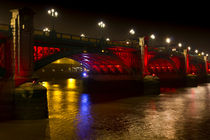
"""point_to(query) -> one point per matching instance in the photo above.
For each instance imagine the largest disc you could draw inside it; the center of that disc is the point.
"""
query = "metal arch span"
(162, 63)
(96, 62)
(101, 63)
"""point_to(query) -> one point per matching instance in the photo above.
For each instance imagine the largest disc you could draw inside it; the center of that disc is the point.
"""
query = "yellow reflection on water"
(55, 102)
(45, 84)
(63, 107)
(55, 85)
(72, 96)
(71, 83)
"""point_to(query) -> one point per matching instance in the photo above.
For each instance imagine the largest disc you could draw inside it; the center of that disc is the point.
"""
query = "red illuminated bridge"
(24, 50)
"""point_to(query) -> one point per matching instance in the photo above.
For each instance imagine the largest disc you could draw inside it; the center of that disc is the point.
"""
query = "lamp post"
(131, 34)
(101, 25)
(152, 36)
(54, 14)
(168, 41)
(179, 45)
(188, 48)
(82, 35)
(46, 30)
(196, 51)
(107, 39)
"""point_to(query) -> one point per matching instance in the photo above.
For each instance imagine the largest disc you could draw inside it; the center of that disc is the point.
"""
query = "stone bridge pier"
(13, 102)
(22, 39)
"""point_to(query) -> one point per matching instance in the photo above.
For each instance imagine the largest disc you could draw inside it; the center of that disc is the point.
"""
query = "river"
(174, 114)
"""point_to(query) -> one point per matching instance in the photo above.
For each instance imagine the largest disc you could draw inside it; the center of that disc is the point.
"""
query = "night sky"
(184, 22)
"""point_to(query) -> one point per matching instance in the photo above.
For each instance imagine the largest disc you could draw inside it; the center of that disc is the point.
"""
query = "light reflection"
(71, 83)
(46, 84)
(72, 96)
(84, 117)
(56, 85)
(56, 99)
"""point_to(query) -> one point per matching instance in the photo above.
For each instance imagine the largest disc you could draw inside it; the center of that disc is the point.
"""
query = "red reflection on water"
(153, 105)
(165, 89)
(192, 103)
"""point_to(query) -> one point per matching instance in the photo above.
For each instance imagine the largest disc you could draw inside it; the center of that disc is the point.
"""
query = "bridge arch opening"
(164, 68)
(61, 68)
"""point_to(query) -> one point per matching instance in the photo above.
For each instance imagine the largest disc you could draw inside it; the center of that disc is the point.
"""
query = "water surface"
(174, 114)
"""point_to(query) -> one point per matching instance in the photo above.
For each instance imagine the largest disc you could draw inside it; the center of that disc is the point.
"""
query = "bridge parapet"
(53, 36)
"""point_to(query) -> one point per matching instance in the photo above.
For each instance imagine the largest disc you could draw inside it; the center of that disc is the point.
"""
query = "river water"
(174, 114)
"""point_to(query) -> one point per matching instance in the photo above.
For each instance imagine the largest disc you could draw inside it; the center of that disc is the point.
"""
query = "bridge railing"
(4, 28)
(71, 37)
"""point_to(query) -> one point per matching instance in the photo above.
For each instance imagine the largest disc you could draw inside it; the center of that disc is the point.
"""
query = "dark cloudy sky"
(183, 21)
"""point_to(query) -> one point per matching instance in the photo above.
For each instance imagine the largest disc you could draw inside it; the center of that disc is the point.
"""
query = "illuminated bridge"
(24, 50)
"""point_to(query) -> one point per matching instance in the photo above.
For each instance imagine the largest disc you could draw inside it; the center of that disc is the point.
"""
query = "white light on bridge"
(196, 51)
(49, 11)
(152, 36)
(52, 12)
(56, 14)
(207, 54)
(101, 24)
(107, 39)
(168, 40)
(202, 53)
(82, 35)
(46, 30)
(180, 45)
(189, 48)
(132, 32)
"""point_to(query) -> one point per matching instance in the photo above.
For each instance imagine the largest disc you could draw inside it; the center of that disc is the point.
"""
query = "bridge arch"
(161, 63)
(95, 62)
(166, 67)
(197, 66)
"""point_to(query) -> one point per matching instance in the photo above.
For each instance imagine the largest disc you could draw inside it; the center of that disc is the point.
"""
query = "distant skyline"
(183, 24)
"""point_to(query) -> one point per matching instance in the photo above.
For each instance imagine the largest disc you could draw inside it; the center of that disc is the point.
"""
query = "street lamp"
(202, 53)
(53, 14)
(196, 51)
(46, 30)
(107, 39)
(189, 48)
(132, 32)
(82, 35)
(207, 54)
(102, 25)
(168, 40)
(180, 45)
(152, 36)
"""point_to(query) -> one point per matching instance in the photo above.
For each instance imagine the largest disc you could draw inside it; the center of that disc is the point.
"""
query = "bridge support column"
(22, 33)
(187, 65)
(206, 64)
(144, 55)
